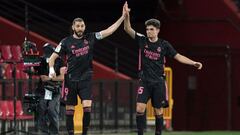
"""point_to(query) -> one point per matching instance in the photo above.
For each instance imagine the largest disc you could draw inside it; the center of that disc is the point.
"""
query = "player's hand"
(126, 10)
(52, 72)
(123, 10)
(198, 65)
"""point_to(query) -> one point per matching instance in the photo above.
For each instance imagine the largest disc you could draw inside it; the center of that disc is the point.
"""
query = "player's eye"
(149, 29)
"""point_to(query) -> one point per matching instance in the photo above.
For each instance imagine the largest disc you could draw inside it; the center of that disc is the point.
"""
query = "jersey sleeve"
(92, 38)
(61, 48)
(58, 64)
(98, 35)
(140, 39)
(171, 52)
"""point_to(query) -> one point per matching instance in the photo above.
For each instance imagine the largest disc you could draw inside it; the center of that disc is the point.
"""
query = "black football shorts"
(156, 91)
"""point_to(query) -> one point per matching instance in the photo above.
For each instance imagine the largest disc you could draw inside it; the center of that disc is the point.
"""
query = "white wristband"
(51, 72)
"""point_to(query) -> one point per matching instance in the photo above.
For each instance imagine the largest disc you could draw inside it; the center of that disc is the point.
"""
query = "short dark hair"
(155, 22)
(78, 19)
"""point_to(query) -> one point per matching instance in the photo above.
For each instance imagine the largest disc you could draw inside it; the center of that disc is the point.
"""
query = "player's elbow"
(126, 28)
(178, 57)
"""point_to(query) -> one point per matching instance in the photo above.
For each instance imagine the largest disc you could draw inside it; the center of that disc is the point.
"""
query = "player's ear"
(72, 27)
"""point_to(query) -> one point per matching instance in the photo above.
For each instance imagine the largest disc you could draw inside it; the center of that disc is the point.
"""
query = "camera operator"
(49, 90)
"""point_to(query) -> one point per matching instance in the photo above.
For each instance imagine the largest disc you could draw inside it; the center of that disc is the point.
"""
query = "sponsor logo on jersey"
(151, 55)
(81, 51)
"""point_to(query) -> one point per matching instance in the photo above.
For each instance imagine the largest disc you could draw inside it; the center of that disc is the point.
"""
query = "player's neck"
(77, 37)
(153, 39)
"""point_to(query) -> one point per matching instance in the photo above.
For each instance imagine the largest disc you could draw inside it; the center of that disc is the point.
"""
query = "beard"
(78, 34)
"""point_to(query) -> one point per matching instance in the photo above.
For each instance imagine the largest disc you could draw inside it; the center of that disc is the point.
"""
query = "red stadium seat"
(4, 110)
(16, 52)
(21, 69)
(18, 73)
(4, 114)
(20, 116)
(1, 110)
(6, 52)
(8, 71)
(20, 113)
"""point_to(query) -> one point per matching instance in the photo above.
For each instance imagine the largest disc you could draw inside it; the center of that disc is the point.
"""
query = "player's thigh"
(159, 95)
(85, 92)
(143, 96)
(71, 96)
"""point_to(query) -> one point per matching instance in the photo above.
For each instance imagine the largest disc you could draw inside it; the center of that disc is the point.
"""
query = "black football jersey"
(79, 53)
(153, 57)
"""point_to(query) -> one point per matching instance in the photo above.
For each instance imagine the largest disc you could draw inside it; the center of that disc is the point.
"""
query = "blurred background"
(204, 30)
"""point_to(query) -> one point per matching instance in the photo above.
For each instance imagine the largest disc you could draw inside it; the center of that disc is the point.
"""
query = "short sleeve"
(61, 48)
(98, 35)
(58, 64)
(91, 38)
(171, 52)
(140, 39)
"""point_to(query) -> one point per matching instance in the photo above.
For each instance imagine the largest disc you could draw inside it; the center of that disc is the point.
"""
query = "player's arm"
(40, 70)
(45, 78)
(107, 32)
(60, 77)
(127, 25)
(51, 63)
(185, 60)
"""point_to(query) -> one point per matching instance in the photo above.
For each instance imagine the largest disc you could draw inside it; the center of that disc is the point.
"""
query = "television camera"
(31, 59)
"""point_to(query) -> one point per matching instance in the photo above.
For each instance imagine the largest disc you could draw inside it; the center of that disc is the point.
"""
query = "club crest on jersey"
(73, 46)
(85, 41)
(146, 46)
(159, 49)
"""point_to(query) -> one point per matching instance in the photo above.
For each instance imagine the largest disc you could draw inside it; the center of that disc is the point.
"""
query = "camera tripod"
(14, 129)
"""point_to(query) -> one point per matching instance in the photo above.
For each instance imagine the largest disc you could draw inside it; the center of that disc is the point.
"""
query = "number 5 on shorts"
(140, 90)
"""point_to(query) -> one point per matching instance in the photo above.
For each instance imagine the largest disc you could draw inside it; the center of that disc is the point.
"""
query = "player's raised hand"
(198, 65)
(127, 10)
(124, 9)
